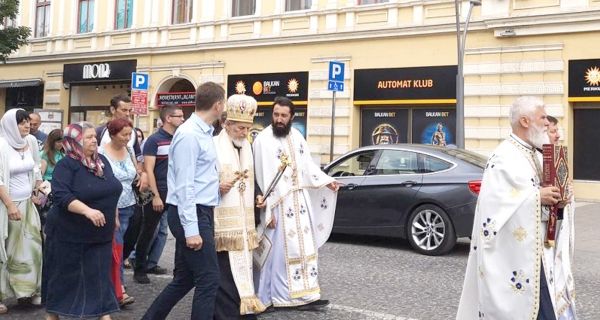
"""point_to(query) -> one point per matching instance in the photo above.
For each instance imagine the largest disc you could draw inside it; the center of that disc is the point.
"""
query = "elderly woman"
(20, 237)
(121, 160)
(80, 229)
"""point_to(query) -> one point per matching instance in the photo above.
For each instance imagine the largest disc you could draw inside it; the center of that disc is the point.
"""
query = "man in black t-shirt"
(156, 163)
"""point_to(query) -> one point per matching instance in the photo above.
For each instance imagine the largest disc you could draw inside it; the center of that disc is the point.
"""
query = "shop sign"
(96, 72)
(584, 80)
(434, 126)
(383, 126)
(265, 87)
(417, 85)
(181, 99)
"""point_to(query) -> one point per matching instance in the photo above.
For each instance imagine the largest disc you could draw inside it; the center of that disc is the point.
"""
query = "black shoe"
(314, 306)
(141, 277)
(157, 270)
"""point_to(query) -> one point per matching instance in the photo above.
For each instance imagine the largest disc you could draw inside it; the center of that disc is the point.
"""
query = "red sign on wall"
(139, 102)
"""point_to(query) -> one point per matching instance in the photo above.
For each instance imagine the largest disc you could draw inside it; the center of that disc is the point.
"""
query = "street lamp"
(461, 38)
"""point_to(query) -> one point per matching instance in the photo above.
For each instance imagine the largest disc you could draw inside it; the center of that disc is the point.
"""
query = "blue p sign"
(139, 81)
(336, 71)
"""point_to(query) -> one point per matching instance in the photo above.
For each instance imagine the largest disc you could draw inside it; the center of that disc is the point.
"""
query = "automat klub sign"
(415, 85)
(584, 80)
(100, 71)
(266, 86)
(181, 99)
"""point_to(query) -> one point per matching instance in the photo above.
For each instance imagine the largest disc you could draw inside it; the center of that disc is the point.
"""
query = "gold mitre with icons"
(241, 108)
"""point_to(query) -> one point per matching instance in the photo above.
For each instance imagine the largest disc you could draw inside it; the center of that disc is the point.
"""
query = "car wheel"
(430, 231)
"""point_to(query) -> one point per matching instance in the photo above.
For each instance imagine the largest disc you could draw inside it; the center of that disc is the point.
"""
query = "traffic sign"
(336, 76)
(139, 93)
(139, 81)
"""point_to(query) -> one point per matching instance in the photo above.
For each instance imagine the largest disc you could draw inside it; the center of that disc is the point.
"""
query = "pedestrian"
(193, 192)
(79, 232)
(156, 162)
(235, 232)
(51, 153)
(560, 257)
(299, 214)
(20, 236)
(123, 166)
(507, 275)
(35, 121)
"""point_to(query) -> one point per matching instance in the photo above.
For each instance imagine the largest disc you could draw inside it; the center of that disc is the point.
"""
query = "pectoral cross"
(241, 176)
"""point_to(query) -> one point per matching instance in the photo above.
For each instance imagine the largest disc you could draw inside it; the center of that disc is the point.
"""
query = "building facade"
(400, 65)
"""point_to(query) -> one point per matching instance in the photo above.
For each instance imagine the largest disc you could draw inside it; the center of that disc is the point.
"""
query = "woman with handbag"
(80, 231)
(119, 157)
(20, 236)
(50, 155)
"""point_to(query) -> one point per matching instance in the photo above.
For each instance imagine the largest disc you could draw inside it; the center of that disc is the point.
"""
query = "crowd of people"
(248, 220)
(73, 213)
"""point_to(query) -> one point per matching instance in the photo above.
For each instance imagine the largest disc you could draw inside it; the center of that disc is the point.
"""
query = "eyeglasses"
(181, 116)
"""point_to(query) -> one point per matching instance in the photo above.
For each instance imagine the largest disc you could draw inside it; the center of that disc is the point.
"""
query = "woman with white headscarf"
(20, 237)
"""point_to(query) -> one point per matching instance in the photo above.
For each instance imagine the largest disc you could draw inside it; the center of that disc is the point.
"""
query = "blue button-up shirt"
(192, 177)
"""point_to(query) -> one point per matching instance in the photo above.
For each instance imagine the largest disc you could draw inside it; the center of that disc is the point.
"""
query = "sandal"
(3, 308)
(127, 300)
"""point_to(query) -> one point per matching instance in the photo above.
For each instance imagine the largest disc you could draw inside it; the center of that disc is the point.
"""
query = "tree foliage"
(11, 38)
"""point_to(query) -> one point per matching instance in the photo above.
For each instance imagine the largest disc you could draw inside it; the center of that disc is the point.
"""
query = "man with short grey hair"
(507, 276)
(35, 121)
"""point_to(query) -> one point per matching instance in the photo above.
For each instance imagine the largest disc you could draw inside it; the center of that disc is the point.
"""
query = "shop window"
(361, 2)
(182, 11)
(86, 16)
(42, 20)
(27, 98)
(585, 145)
(123, 14)
(397, 162)
(293, 5)
(243, 8)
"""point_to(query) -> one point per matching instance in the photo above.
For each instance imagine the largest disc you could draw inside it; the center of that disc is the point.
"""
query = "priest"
(235, 232)
(298, 217)
(507, 274)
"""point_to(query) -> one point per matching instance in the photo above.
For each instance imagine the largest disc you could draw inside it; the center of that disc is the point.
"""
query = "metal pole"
(332, 128)
(460, 111)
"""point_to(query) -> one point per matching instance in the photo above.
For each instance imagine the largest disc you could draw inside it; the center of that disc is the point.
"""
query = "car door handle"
(408, 184)
(350, 186)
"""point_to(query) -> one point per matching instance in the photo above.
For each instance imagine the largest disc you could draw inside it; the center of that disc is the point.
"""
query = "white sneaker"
(36, 301)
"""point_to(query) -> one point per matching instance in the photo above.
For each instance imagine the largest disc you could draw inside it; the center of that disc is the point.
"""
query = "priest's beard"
(538, 136)
(237, 142)
(282, 130)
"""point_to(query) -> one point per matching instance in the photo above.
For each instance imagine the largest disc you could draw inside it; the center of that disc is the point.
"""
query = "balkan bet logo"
(240, 87)
(592, 76)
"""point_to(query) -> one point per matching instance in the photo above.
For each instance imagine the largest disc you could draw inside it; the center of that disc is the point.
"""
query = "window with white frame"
(182, 11)
(293, 5)
(8, 22)
(123, 14)
(42, 18)
(360, 2)
(85, 16)
(242, 7)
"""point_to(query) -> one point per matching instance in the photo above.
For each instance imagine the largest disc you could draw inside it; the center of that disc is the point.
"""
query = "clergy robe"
(303, 208)
(502, 280)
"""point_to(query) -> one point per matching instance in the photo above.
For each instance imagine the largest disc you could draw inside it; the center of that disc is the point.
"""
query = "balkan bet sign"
(139, 93)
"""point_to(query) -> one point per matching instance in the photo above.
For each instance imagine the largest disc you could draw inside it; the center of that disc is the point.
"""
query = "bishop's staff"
(285, 162)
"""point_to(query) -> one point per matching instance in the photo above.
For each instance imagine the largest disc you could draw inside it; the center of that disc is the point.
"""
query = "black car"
(424, 193)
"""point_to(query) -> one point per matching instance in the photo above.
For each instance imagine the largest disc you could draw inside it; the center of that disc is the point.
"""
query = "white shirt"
(20, 165)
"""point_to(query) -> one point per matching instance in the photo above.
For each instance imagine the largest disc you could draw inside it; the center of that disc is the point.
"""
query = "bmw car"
(426, 194)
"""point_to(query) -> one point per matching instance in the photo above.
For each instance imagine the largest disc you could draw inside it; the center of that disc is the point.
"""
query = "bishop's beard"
(237, 142)
(282, 131)
(538, 136)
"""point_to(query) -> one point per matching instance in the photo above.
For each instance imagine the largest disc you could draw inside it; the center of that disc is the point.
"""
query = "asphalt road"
(379, 278)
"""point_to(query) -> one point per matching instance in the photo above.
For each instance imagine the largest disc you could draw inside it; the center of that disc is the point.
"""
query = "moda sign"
(99, 72)
(96, 71)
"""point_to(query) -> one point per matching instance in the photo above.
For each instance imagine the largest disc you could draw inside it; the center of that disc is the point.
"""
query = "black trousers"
(227, 306)
(546, 311)
(133, 230)
(198, 270)
(150, 221)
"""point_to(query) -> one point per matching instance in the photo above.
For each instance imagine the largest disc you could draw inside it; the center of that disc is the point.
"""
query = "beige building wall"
(514, 47)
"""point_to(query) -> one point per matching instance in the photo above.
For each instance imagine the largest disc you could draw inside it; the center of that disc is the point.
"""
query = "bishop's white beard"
(538, 136)
(237, 142)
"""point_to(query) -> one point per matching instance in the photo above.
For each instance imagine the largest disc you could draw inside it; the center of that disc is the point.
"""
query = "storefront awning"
(20, 83)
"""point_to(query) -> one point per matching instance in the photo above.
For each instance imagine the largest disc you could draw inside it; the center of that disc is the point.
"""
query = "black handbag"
(142, 198)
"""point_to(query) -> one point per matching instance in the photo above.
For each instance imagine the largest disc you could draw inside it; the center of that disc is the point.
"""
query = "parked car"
(426, 194)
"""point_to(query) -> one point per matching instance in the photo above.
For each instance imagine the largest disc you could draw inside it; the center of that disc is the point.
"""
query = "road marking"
(368, 313)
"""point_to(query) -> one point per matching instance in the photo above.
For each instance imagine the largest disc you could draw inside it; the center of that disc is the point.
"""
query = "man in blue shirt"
(156, 162)
(193, 192)
(35, 121)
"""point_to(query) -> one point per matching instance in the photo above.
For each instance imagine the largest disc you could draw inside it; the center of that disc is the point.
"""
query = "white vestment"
(502, 280)
(303, 208)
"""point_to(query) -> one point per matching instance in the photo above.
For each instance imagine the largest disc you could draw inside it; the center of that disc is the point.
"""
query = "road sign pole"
(332, 127)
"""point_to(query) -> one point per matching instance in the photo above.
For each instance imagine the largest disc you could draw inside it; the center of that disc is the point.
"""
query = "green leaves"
(11, 38)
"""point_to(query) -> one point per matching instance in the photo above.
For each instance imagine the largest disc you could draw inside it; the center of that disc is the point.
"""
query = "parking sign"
(336, 76)
(139, 93)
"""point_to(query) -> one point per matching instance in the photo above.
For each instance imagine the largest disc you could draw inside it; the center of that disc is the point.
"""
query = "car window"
(433, 164)
(397, 162)
(471, 157)
(356, 165)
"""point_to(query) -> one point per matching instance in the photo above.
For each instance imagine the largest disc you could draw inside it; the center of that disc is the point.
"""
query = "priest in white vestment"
(298, 217)
(235, 231)
(508, 275)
